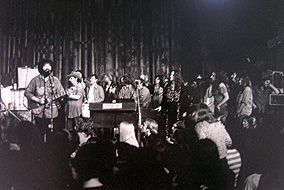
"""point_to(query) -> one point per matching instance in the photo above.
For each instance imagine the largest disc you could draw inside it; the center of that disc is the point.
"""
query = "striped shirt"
(234, 162)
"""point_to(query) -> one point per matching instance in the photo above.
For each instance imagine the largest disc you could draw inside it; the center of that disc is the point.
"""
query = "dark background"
(143, 36)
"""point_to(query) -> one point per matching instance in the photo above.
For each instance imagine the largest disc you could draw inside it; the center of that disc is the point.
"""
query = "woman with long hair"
(244, 98)
(221, 95)
(158, 91)
(127, 133)
(170, 104)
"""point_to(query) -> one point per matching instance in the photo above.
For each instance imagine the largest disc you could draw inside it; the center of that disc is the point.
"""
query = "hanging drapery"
(96, 36)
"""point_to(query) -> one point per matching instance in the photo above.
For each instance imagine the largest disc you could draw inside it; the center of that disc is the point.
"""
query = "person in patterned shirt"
(208, 127)
(127, 91)
(41, 92)
(170, 105)
(76, 94)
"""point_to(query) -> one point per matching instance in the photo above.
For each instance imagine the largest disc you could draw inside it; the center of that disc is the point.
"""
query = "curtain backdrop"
(119, 37)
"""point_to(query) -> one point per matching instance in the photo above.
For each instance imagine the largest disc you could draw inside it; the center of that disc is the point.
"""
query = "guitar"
(37, 108)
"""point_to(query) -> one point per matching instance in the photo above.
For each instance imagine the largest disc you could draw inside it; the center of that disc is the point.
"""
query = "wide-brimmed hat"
(75, 74)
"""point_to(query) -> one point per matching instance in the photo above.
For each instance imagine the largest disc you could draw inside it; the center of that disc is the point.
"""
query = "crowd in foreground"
(213, 133)
(199, 155)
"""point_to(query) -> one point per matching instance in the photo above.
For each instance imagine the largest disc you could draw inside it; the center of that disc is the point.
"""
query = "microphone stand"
(139, 118)
(8, 110)
(43, 112)
(52, 94)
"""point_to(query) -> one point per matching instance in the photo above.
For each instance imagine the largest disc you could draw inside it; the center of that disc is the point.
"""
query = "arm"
(121, 93)
(225, 99)
(240, 108)
(247, 97)
(224, 92)
(227, 137)
(275, 90)
(101, 94)
(59, 87)
(29, 93)
(75, 97)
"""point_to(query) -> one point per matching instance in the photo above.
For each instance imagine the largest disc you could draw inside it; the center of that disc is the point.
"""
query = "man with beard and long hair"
(42, 92)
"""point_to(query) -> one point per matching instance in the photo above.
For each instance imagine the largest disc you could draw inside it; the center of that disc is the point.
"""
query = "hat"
(75, 74)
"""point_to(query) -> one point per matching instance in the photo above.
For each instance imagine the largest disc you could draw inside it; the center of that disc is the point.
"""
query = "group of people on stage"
(213, 133)
(45, 90)
(172, 96)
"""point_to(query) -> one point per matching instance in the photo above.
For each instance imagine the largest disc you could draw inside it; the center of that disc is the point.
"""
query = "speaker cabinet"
(276, 99)
(25, 75)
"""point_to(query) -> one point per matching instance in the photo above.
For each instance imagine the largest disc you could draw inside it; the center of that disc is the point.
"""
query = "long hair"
(161, 83)
(127, 133)
(203, 113)
(246, 81)
(177, 80)
(221, 76)
(152, 125)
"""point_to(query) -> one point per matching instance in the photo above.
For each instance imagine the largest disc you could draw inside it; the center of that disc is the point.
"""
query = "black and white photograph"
(142, 94)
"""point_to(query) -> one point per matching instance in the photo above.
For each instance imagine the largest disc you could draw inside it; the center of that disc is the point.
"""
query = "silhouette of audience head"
(201, 112)
(150, 126)
(94, 160)
(127, 133)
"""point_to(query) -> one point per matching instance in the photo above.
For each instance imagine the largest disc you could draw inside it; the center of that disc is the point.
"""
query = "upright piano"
(109, 115)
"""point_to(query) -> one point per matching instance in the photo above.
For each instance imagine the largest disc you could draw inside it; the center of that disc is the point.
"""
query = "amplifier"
(276, 99)
(18, 100)
(25, 75)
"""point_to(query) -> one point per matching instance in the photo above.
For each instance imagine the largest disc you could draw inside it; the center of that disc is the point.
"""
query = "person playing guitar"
(41, 92)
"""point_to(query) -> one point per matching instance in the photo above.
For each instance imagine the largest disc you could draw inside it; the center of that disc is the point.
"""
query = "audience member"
(210, 172)
(244, 98)
(221, 95)
(171, 102)
(208, 127)
(127, 133)
(148, 128)
(30, 170)
(94, 165)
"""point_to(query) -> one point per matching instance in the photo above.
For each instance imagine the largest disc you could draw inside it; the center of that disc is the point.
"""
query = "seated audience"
(94, 165)
(148, 128)
(209, 171)
(30, 163)
(60, 147)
